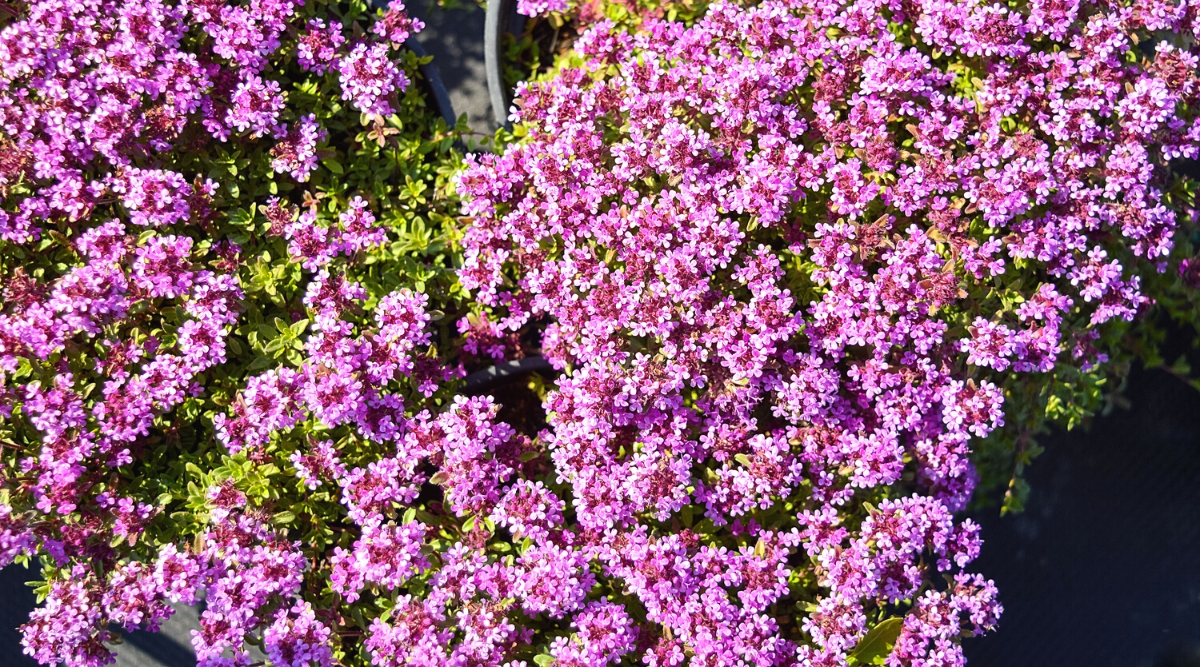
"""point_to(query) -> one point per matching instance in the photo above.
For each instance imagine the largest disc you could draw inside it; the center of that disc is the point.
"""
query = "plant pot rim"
(433, 83)
(431, 80)
(499, 17)
(480, 381)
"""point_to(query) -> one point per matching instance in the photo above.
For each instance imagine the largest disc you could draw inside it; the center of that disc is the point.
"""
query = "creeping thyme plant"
(226, 233)
(803, 260)
(799, 261)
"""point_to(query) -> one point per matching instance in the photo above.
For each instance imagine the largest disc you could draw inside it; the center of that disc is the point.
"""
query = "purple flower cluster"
(343, 378)
(241, 570)
(122, 289)
(767, 244)
(541, 7)
(255, 106)
(793, 257)
(318, 48)
(396, 25)
(369, 78)
(143, 375)
(89, 84)
(315, 244)
(296, 153)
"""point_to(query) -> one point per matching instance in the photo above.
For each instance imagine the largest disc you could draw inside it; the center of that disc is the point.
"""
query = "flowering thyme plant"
(225, 238)
(800, 259)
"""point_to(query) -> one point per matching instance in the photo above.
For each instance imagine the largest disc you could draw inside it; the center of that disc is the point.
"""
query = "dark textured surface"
(1103, 569)
(16, 599)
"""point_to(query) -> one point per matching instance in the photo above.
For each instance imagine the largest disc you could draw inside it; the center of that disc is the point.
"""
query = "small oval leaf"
(875, 646)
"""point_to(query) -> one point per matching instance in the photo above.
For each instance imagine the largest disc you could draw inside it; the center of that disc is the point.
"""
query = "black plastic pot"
(502, 17)
(481, 381)
(431, 81)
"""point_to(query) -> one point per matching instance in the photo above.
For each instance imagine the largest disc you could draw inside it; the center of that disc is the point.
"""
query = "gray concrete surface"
(170, 647)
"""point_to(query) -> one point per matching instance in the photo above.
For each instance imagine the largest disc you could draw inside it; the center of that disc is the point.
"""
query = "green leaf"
(1015, 496)
(285, 516)
(875, 646)
(356, 614)
(1181, 367)
(543, 660)
(334, 166)
(241, 217)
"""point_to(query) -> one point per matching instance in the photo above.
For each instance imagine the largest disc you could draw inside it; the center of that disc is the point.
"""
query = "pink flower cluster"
(143, 374)
(241, 571)
(792, 256)
(767, 244)
(369, 78)
(121, 290)
(396, 25)
(88, 84)
(314, 244)
(344, 377)
(541, 7)
(296, 152)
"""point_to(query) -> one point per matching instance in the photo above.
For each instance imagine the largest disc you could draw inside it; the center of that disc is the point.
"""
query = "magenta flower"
(369, 77)
(296, 153)
(317, 49)
(255, 107)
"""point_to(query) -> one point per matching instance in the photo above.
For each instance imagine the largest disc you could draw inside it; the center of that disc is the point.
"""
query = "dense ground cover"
(221, 223)
(801, 259)
(812, 270)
